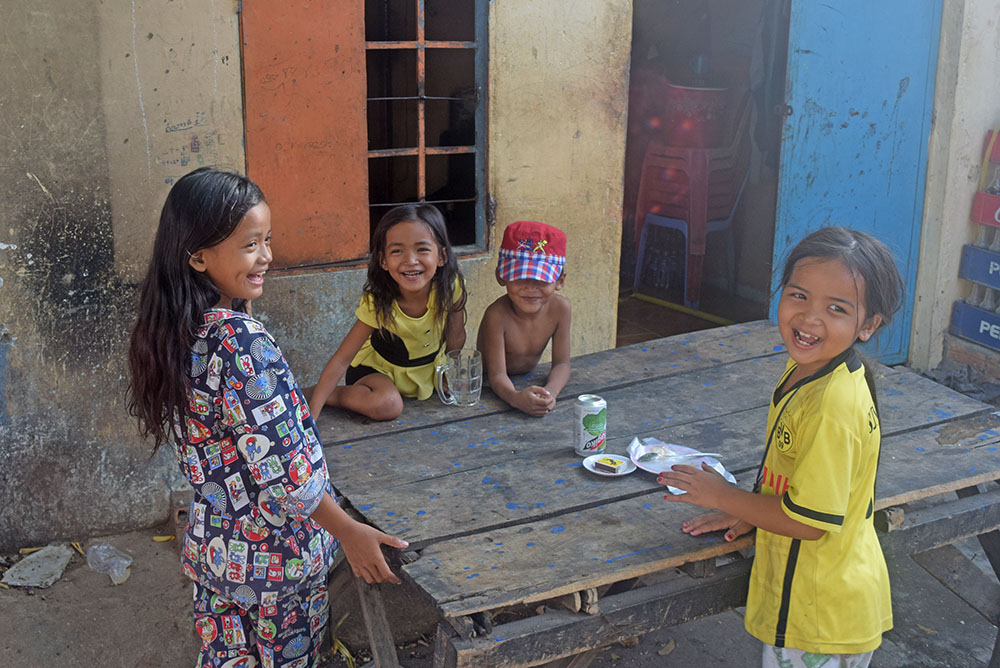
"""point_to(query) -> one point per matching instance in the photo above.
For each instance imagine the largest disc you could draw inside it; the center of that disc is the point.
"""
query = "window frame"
(480, 48)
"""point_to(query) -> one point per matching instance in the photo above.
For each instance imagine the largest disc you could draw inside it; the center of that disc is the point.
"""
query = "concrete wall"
(96, 130)
(966, 106)
(557, 98)
(101, 104)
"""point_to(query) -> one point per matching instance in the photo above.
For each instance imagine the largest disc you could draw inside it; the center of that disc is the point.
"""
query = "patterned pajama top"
(249, 447)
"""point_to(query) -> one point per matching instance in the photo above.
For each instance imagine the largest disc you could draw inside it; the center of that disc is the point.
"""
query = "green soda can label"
(590, 425)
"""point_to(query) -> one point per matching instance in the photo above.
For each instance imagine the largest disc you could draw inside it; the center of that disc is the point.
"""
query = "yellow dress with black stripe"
(408, 351)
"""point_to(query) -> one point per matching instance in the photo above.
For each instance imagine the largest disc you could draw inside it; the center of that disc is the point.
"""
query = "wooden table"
(502, 518)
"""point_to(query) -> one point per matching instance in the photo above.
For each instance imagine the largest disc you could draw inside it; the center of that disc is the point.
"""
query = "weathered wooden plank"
(908, 400)
(670, 356)
(990, 542)
(941, 524)
(536, 640)
(582, 660)
(596, 372)
(954, 570)
(453, 447)
(939, 459)
(591, 605)
(445, 655)
(559, 555)
(496, 564)
(915, 464)
(379, 634)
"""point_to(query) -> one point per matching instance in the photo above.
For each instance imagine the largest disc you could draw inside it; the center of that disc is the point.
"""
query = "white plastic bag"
(108, 559)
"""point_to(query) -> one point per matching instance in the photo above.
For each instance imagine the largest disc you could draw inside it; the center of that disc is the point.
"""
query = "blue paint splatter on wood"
(558, 529)
(632, 554)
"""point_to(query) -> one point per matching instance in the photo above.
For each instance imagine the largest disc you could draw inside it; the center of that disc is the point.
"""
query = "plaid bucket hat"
(532, 250)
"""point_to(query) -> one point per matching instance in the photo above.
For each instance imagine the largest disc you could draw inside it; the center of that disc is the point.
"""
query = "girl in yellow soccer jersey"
(819, 584)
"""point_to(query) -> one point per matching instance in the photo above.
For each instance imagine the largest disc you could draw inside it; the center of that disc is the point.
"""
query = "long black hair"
(865, 257)
(381, 286)
(202, 209)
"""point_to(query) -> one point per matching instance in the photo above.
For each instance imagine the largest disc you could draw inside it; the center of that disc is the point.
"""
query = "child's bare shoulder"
(496, 314)
(501, 307)
(561, 303)
(559, 309)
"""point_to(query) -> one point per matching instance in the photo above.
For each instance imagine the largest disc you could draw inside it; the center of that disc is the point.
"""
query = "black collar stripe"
(849, 357)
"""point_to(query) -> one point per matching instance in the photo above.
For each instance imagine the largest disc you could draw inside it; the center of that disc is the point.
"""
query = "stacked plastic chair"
(695, 190)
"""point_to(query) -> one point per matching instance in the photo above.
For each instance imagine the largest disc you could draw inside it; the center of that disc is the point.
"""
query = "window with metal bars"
(426, 76)
(354, 106)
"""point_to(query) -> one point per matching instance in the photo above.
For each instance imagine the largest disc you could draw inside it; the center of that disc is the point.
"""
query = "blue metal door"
(859, 94)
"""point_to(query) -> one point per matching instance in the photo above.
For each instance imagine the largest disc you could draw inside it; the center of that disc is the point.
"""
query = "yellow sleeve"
(820, 486)
(366, 311)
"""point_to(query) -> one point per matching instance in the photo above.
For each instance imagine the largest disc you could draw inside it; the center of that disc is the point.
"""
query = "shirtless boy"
(516, 327)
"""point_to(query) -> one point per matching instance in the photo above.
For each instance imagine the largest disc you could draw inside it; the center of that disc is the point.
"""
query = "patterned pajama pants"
(276, 633)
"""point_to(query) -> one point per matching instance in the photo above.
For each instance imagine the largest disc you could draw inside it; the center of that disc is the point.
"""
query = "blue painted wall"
(859, 96)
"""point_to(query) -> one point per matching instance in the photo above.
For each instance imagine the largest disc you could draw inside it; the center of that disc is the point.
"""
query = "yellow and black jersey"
(829, 595)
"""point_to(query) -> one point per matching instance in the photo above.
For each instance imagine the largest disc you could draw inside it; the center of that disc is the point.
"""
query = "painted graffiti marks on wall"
(198, 119)
(170, 89)
(193, 143)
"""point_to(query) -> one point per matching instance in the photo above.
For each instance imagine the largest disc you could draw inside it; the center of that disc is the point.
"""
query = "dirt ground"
(83, 620)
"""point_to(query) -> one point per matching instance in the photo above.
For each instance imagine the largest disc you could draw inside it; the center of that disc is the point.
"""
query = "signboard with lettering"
(976, 324)
(981, 266)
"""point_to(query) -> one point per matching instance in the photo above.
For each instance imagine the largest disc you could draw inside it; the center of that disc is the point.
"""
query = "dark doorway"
(705, 101)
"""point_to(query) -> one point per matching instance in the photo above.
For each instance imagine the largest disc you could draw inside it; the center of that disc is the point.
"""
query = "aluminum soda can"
(590, 424)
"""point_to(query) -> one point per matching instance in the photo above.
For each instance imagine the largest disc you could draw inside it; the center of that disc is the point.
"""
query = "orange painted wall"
(304, 90)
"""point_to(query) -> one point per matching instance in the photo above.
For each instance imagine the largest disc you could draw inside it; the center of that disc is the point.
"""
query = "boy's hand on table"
(535, 400)
(361, 544)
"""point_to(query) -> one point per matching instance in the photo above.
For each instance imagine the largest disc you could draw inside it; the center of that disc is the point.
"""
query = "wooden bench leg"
(581, 660)
(990, 541)
(444, 649)
(379, 634)
(991, 546)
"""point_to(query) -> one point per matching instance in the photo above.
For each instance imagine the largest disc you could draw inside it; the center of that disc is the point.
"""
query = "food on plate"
(657, 452)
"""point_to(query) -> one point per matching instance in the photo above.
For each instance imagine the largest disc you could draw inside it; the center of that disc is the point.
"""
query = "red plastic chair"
(694, 190)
